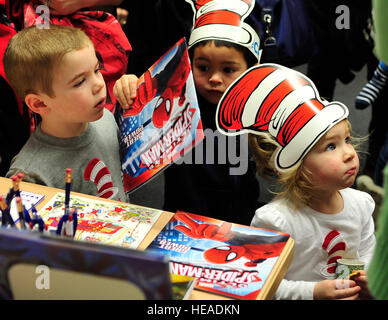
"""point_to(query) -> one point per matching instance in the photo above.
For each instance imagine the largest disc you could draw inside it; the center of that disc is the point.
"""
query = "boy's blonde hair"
(32, 55)
(295, 183)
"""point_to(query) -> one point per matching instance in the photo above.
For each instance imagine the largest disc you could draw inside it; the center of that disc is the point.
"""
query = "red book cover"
(226, 258)
(164, 120)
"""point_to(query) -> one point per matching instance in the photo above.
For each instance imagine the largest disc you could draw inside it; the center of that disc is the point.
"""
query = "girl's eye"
(348, 140)
(330, 147)
(98, 69)
(80, 82)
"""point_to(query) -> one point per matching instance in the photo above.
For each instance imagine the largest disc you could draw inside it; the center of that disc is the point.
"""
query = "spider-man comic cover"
(163, 122)
(226, 258)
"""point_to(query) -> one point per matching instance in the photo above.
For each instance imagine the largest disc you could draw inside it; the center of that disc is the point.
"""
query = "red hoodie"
(111, 44)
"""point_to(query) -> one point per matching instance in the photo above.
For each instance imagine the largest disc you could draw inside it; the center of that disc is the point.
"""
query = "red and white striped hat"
(224, 20)
(283, 102)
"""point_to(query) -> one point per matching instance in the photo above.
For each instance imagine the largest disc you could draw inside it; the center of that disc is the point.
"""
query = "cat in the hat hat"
(307, 142)
(221, 47)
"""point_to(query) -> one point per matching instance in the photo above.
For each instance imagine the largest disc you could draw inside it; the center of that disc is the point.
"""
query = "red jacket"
(111, 44)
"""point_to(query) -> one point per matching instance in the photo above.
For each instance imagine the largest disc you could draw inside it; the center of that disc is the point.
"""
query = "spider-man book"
(163, 122)
(227, 259)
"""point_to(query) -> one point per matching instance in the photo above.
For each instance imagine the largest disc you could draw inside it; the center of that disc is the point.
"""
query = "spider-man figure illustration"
(167, 84)
(255, 248)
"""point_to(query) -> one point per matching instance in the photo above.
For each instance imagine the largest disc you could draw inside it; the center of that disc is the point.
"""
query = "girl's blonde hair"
(33, 54)
(295, 183)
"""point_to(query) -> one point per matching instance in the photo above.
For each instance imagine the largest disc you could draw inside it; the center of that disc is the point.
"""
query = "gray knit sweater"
(93, 157)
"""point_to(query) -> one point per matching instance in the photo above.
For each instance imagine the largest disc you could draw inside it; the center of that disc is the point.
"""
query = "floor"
(151, 194)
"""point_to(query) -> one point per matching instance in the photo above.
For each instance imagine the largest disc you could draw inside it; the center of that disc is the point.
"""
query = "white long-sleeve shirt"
(320, 239)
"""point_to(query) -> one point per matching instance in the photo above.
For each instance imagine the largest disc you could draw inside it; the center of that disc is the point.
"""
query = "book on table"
(228, 259)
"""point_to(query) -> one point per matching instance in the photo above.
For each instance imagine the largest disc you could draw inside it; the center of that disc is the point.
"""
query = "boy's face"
(80, 90)
(215, 68)
(333, 161)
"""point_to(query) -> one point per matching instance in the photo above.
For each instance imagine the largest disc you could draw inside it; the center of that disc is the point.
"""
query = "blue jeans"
(381, 163)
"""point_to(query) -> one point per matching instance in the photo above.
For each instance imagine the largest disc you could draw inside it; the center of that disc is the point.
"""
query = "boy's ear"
(35, 102)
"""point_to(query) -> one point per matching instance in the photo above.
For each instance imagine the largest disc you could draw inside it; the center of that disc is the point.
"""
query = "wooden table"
(268, 290)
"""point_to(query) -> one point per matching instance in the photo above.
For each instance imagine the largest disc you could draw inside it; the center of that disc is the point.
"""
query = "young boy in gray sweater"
(56, 72)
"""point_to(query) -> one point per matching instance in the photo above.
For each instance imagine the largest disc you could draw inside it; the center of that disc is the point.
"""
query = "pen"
(6, 217)
(10, 196)
(37, 220)
(68, 187)
(3, 207)
(67, 225)
(21, 212)
(15, 183)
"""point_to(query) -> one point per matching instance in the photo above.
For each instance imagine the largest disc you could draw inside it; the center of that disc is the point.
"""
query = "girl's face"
(333, 161)
(215, 68)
